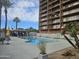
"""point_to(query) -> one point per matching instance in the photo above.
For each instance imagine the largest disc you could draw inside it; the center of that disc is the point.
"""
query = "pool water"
(36, 41)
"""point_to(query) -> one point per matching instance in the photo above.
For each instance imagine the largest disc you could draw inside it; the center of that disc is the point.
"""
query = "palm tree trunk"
(5, 20)
(0, 13)
(16, 28)
(76, 40)
(70, 41)
(0, 18)
(16, 25)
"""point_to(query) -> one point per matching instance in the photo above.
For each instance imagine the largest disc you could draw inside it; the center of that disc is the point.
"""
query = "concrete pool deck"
(18, 49)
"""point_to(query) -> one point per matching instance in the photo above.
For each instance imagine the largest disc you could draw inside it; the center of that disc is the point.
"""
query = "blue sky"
(26, 10)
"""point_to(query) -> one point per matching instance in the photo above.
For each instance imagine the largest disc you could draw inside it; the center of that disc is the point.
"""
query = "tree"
(0, 12)
(72, 29)
(16, 20)
(6, 5)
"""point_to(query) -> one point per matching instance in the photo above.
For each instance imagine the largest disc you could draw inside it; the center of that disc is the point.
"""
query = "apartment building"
(55, 12)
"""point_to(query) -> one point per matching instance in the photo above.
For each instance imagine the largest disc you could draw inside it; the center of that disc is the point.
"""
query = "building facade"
(55, 12)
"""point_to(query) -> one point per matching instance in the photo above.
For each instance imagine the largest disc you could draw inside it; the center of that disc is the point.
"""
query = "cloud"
(24, 4)
(26, 10)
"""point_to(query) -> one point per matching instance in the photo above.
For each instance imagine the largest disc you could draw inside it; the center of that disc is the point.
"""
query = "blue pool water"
(36, 41)
(32, 40)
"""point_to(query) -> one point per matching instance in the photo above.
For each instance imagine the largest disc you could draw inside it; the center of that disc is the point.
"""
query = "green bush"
(42, 47)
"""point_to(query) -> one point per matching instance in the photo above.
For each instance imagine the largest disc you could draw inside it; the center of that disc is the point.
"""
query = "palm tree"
(17, 20)
(72, 29)
(6, 5)
(0, 12)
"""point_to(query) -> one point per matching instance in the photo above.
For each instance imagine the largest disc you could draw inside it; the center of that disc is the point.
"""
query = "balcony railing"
(43, 11)
(42, 3)
(44, 6)
(44, 15)
(73, 18)
(71, 6)
(53, 7)
(53, 1)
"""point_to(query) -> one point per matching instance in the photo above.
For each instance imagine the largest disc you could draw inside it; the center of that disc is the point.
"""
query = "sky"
(26, 10)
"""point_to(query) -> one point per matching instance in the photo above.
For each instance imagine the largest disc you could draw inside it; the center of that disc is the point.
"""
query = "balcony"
(54, 18)
(71, 11)
(43, 28)
(56, 27)
(44, 19)
(57, 11)
(43, 7)
(70, 7)
(67, 2)
(54, 12)
(54, 1)
(43, 15)
(43, 11)
(73, 18)
(42, 25)
(43, 3)
(50, 22)
(71, 14)
(56, 21)
(53, 7)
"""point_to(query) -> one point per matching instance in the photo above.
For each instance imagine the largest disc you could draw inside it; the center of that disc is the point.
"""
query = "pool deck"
(18, 49)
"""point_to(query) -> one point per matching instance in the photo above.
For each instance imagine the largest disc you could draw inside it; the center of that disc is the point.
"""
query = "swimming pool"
(37, 40)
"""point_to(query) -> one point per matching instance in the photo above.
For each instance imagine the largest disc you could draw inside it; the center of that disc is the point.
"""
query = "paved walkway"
(18, 49)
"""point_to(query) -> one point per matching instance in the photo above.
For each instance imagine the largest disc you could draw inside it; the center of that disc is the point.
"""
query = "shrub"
(42, 47)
